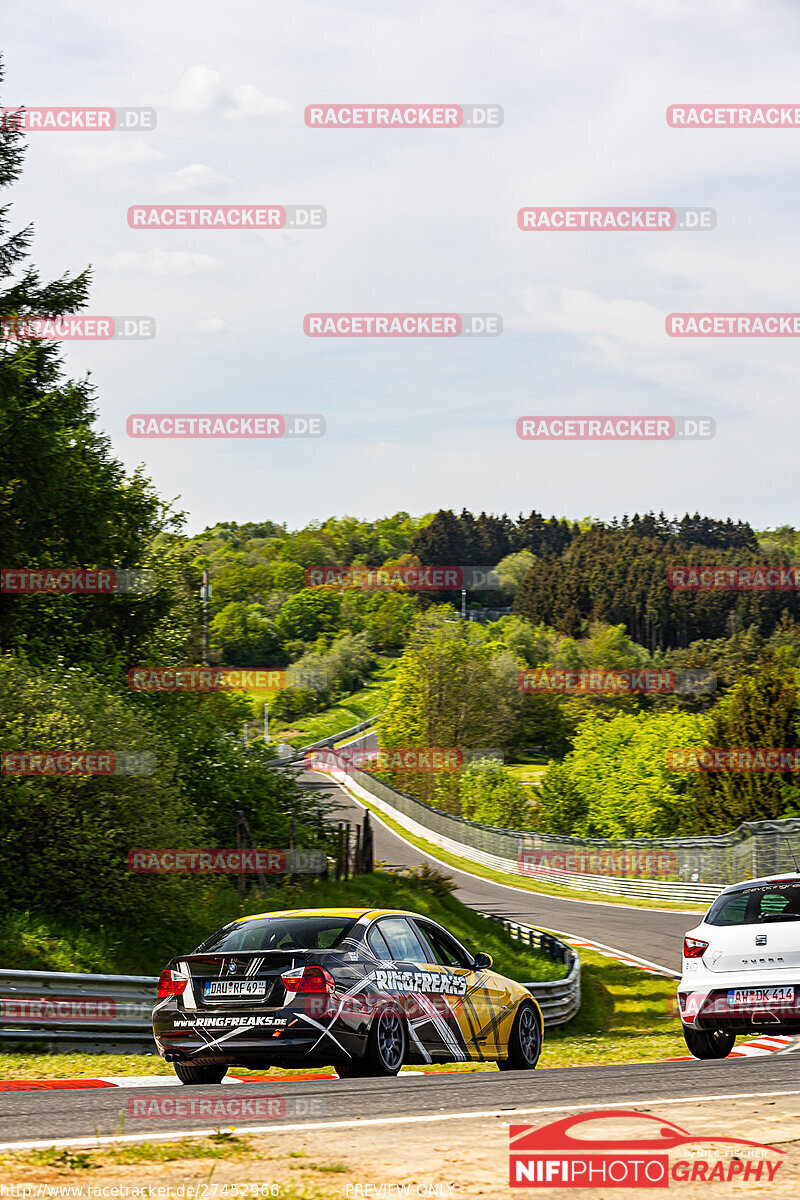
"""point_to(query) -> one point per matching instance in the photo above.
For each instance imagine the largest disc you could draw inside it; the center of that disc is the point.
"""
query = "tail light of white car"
(694, 947)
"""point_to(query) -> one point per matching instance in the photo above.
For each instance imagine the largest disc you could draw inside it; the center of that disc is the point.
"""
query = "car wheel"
(709, 1043)
(385, 1052)
(525, 1041)
(210, 1073)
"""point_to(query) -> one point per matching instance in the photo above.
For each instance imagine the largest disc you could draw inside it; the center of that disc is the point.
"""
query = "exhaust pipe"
(765, 1018)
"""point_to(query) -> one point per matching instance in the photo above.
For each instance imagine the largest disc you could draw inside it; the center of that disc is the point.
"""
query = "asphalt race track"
(653, 934)
(28, 1116)
(37, 1116)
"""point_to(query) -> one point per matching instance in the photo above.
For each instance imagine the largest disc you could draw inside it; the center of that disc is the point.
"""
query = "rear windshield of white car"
(757, 905)
(279, 933)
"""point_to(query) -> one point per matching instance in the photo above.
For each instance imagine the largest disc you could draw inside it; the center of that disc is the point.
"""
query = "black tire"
(210, 1073)
(709, 1043)
(524, 1042)
(386, 1049)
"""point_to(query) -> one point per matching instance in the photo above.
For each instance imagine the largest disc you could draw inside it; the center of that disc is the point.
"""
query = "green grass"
(626, 1016)
(521, 881)
(356, 707)
(528, 773)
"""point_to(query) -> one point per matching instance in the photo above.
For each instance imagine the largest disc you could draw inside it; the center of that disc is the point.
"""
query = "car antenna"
(791, 851)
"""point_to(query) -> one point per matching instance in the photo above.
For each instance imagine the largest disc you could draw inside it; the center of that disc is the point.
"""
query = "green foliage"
(242, 635)
(453, 689)
(761, 711)
(309, 613)
(618, 575)
(490, 796)
(512, 569)
(616, 781)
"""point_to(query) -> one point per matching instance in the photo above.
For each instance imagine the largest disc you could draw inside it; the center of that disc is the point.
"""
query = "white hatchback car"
(741, 966)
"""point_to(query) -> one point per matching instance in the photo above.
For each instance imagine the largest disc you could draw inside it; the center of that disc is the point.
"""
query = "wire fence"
(678, 868)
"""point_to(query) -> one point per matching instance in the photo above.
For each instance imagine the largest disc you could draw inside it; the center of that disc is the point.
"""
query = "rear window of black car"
(279, 933)
(765, 902)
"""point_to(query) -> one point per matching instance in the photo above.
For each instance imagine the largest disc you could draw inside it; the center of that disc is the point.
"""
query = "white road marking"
(482, 878)
(358, 1122)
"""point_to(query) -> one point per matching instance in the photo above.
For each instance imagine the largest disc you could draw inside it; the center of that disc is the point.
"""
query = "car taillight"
(694, 948)
(311, 981)
(170, 983)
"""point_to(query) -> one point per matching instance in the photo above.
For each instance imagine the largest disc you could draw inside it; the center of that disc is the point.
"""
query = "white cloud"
(201, 90)
(160, 262)
(250, 101)
(196, 177)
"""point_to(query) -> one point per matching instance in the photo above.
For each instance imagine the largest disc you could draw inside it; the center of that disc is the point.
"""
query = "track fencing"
(693, 870)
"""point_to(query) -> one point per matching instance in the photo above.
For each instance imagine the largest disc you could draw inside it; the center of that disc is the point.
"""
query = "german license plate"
(760, 996)
(234, 988)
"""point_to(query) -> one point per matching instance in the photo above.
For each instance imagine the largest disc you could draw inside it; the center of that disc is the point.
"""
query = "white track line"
(482, 878)
(356, 1122)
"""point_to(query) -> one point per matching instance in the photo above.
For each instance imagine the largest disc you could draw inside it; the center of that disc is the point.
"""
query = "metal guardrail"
(326, 743)
(693, 870)
(559, 999)
(65, 1011)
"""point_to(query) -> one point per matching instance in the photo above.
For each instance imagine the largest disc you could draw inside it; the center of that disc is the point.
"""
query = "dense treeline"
(620, 576)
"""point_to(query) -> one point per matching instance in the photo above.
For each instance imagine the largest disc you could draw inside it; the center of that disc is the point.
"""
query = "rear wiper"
(779, 917)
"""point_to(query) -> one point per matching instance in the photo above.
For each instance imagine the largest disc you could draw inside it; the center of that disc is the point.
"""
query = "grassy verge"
(520, 881)
(367, 702)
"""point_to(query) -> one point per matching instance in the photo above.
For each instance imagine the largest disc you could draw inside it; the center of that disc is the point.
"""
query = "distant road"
(650, 933)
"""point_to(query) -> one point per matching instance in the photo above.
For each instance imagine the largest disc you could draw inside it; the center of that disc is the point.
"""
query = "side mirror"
(482, 962)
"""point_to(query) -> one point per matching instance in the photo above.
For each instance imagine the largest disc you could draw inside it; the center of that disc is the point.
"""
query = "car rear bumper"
(714, 1004)
(253, 1037)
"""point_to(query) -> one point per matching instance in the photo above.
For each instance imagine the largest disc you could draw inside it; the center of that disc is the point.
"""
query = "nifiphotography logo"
(639, 1151)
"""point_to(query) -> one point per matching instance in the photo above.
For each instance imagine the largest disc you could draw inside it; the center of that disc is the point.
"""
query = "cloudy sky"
(425, 221)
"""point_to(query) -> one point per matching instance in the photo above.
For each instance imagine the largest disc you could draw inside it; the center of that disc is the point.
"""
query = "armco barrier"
(559, 999)
(702, 867)
(64, 1011)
